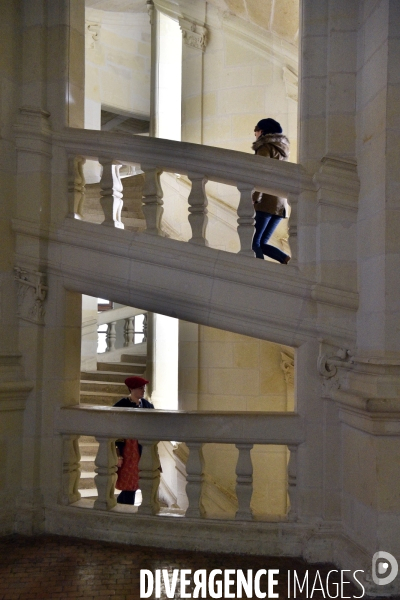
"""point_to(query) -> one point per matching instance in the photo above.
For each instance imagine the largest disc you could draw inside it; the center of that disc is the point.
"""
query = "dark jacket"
(272, 145)
(126, 403)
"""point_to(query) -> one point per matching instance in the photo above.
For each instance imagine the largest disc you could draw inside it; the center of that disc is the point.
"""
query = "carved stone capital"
(92, 34)
(193, 35)
(287, 366)
(31, 294)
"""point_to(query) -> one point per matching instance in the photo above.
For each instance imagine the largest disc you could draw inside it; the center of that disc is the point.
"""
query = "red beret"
(135, 382)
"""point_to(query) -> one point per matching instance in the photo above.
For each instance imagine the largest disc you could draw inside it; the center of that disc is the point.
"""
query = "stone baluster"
(244, 482)
(292, 483)
(111, 193)
(71, 470)
(194, 480)
(245, 219)
(76, 186)
(198, 209)
(145, 327)
(149, 472)
(111, 336)
(152, 200)
(129, 331)
(293, 201)
(106, 473)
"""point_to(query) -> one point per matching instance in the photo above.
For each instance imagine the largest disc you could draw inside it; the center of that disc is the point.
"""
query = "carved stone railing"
(199, 163)
(195, 429)
(127, 314)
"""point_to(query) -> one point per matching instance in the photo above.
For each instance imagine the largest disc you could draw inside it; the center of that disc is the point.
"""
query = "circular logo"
(384, 568)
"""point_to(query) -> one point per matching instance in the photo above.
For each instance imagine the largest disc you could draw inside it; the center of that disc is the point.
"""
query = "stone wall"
(117, 64)
(225, 371)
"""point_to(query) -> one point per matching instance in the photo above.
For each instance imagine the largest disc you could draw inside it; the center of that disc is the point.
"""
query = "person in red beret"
(129, 451)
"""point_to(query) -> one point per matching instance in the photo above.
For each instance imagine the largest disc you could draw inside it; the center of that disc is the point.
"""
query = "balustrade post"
(76, 186)
(149, 478)
(194, 480)
(145, 327)
(129, 331)
(292, 483)
(71, 470)
(106, 473)
(111, 336)
(198, 202)
(152, 200)
(244, 482)
(111, 193)
(245, 219)
(293, 241)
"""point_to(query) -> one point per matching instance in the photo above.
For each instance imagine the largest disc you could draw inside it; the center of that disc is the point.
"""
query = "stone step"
(171, 512)
(88, 450)
(104, 387)
(92, 493)
(87, 464)
(88, 492)
(110, 376)
(87, 439)
(100, 399)
(86, 480)
(132, 358)
(122, 367)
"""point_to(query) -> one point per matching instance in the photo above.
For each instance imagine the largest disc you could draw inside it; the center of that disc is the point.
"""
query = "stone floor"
(51, 567)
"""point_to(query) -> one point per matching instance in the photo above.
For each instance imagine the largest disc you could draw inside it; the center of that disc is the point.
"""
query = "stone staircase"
(104, 387)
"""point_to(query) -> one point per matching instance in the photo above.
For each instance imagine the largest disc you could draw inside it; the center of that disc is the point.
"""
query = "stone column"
(198, 209)
(244, 482)
(371, 450)
(149, 467)
(194, 38)
(162, 361)
(153, 15)
(245, 219)
(194, 470)
(152, 200)
(106, 473)
(71, 471)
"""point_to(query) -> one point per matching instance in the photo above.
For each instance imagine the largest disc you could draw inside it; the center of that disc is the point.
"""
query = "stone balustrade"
(195, 429)
(199, 163)
(128, 315)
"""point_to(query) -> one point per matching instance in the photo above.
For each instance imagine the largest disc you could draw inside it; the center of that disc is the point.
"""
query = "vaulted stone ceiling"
(279, 16)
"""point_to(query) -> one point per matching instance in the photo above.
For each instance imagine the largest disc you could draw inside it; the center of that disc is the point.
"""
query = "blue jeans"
(265, 225)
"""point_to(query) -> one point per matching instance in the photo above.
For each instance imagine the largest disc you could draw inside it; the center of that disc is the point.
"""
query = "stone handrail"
(195, 429)
(117, 314)
(199, 163)
(127, 314)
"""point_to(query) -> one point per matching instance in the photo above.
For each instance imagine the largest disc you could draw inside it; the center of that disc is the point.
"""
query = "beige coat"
(272, 145)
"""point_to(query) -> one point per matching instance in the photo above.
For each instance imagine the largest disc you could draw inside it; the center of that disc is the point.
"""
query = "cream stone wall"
(245, 74)
(13, 389)
(237, 373)
(240, 373)
(220, 370)
(117, 64)
(269, 480)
